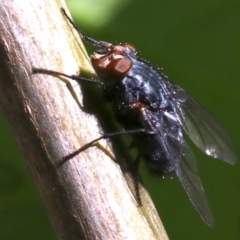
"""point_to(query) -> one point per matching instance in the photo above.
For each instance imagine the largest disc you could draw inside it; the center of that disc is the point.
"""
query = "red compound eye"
(119, 67)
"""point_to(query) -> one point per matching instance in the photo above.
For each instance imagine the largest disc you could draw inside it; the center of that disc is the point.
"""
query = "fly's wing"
(192, 184)
(201, 127)
(181, 158)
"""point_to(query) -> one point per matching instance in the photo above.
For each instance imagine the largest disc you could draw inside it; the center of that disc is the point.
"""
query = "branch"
(88, 197)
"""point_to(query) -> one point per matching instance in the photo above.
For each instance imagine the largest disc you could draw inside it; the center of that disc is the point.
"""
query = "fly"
(156, 112)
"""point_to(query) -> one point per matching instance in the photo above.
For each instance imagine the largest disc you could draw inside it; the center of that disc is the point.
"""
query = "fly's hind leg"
(137, 179)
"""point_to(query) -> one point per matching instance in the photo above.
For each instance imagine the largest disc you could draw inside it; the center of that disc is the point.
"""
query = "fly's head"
(109, 61)
(113, 62)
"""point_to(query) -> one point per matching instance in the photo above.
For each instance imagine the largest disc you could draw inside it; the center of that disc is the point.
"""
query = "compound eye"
(119, 67)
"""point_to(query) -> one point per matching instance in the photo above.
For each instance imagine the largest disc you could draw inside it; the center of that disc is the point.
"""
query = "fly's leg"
(63, 77)
(94, 42)
(137, 179)
(81, 34)
(104, 136)
(135, 172)
(136, 176)
(73, 77)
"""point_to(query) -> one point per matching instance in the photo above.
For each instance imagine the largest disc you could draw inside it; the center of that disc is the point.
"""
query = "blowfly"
(156, 112)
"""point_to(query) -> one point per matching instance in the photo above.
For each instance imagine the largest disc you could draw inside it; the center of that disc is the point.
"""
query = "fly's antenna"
(82, 35)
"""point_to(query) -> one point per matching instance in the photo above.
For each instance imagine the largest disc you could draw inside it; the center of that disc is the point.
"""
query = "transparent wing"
(203, 129)
(192, 185)
(182, 161)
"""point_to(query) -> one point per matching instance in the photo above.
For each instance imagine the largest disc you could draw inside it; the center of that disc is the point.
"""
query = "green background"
(197, 43)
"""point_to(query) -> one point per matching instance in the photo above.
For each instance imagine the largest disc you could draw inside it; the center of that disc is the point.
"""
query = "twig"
(87, 197)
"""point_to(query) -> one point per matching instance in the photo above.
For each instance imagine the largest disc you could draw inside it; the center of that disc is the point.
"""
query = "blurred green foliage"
(197, 43)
